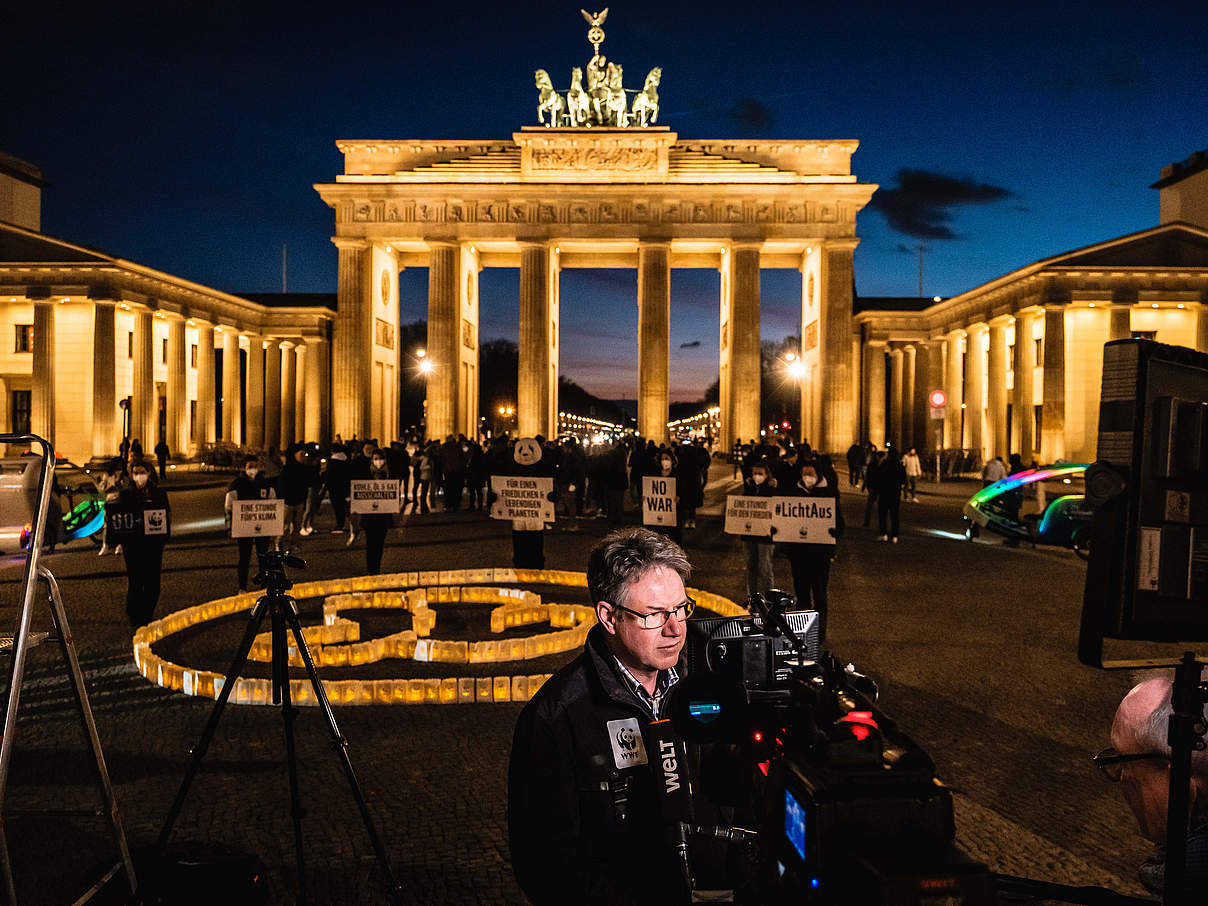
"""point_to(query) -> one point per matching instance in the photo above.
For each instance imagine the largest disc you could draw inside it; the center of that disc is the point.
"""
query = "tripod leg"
(199, 751)
(290, 612)
(59, 614)
(288, 715)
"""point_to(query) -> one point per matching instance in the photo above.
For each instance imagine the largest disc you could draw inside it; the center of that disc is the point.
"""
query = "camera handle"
(772, 616)
(1184, 736)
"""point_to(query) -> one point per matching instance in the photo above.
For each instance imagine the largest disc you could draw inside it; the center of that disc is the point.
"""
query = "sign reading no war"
(374, 495)
(257, 518)
(658, 500)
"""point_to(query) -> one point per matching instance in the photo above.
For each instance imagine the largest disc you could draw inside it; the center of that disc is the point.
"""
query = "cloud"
(921, 205)
(752, 115)
(694, 344)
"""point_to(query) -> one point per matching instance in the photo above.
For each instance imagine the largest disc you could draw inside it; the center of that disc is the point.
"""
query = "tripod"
(283, 611)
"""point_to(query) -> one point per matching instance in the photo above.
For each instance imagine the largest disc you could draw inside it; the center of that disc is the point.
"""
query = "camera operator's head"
(636, 577)
(1141, 758)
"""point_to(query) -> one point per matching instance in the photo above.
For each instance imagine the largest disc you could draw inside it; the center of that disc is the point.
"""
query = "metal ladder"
(21, 641)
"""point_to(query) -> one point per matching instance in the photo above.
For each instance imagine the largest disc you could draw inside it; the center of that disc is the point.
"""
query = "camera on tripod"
(272, 577)
(848, 807)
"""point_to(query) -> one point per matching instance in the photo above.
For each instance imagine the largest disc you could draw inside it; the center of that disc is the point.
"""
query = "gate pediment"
(594, 154)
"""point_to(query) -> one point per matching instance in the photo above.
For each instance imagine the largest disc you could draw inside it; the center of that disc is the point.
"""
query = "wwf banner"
(374, 495)
(658, 501)
(129, 522)
(257, 518)
(523, 499)
(804, 520)
(749, 515)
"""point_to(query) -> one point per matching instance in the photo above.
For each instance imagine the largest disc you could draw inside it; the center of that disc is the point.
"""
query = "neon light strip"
(1019, 479)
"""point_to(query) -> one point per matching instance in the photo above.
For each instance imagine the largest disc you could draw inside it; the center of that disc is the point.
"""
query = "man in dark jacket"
(584, 822)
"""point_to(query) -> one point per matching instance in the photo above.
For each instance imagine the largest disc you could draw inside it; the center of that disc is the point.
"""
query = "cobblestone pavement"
(973, 644)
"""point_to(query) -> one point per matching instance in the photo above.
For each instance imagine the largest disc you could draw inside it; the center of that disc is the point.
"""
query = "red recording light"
(763, 766)
(784, 424)
(758, 736)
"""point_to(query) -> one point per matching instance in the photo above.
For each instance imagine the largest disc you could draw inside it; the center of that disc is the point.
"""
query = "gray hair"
(623, 557)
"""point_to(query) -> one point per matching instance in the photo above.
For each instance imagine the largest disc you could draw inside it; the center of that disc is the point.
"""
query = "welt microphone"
(674, 794)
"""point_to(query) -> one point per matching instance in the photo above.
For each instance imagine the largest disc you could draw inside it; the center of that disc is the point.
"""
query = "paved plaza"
(973, 645)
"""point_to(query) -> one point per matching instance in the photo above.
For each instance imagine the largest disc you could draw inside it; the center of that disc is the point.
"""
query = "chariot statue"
(597, 95)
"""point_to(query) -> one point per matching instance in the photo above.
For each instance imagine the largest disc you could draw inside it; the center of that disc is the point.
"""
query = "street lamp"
(794, 368)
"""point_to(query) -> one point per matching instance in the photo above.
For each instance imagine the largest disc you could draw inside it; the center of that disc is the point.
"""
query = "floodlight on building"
(1090, 305)
(420, 353)
(937, 299)
(1154, 305)
(426, 366)
(1181, 305)
(796, 369)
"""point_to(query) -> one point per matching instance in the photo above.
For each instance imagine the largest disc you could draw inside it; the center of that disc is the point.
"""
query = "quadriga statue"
(646, 104)
(548, 100)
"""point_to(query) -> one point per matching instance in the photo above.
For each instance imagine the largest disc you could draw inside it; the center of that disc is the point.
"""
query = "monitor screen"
(794, 823)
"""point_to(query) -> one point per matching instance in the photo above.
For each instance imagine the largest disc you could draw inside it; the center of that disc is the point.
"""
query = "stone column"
(104, 380)
(230, 384)
(975, 388)
(923, 438)
(444, 337)
(352, 344)
(1025, 388)
(1052, 418)
(996, 405)
(143, 421)
(272, 394)
(727, 435)
(207, 428)
(178, 394)
(316, 380)
(908, 396)
(897, 368)
(255, 390)
(745, 366)
(1201, 328)
(654, 339)
(42, 417)
(953, 437)
(289, 384)
(301, 354)
(534, 414)
(874, 390)
(840, 417)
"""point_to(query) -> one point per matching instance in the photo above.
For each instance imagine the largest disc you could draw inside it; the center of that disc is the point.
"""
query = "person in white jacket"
(914, 470)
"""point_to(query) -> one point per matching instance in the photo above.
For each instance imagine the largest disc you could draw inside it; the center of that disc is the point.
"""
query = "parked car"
(76, 503)
(1041, 506)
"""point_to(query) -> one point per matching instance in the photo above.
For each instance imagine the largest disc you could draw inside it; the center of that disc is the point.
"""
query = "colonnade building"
(88, 340)
(557, 198)
(1020, 358)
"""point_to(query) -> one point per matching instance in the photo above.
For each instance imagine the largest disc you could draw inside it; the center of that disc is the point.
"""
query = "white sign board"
(155, 522)
(374, 495)
(804, 520)
(523, 499)
(257, 518)
(749, 515)
(658, 500)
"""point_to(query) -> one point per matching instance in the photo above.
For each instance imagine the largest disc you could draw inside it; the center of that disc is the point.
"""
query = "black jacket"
(568, 844)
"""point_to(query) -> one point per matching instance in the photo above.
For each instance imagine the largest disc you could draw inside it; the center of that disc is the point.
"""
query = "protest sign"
(374, 495)
(658, 500)
(523, 498)
(749, 515)
(128, 522)
(804, 520)
(257, 518)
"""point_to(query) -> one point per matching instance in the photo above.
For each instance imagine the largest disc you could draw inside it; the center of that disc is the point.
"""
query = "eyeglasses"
(1111, 763)
(658, 619)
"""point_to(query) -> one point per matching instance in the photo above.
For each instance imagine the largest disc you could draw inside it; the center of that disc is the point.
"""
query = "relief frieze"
(610, 159)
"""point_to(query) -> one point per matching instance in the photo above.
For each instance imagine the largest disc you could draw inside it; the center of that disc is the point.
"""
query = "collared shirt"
(662, 685)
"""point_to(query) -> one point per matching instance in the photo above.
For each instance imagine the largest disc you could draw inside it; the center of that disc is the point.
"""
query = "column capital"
(744, 245)
(344, 242)
(977, 326)
(545, 245)
(877, 342)
(656, 243)
(1002, 320)
(841, 245)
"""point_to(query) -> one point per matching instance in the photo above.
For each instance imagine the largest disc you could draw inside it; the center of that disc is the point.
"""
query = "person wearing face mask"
(143, 551)
(758, 551)
(376, 525)
(666, 467)
(250, 485)
(811, 562)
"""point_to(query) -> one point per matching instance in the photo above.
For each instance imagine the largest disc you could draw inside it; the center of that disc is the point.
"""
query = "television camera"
(848, 807)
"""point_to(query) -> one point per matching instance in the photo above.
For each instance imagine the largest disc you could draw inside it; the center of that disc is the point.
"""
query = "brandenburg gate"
(597, 187)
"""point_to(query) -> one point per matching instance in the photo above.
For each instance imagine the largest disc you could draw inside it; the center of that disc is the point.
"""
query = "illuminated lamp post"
(794, 368)
(424, 366)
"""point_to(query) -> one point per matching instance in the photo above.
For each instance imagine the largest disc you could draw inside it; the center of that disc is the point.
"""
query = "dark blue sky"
(187, 135)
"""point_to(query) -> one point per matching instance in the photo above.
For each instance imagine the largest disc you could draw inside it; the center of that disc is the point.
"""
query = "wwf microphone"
(674, 793)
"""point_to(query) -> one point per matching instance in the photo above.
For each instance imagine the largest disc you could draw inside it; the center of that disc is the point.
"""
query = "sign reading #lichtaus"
(658, 500)
(257, 518)
(374, 495)
(521, 497)
(804, 520)
(749, 515)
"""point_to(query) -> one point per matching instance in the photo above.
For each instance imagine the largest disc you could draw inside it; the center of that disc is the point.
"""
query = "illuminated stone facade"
(81, 331)
(1021, 357)
(551, 199)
